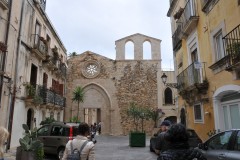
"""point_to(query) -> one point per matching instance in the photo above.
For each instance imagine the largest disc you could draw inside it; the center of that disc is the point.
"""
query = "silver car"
(55, 136)
(224, 145)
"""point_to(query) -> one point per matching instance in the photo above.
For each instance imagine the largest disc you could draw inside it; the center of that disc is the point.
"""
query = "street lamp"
(164, 78)
(172, 85)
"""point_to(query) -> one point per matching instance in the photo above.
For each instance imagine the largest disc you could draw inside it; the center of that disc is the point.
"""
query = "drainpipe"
(16, 75)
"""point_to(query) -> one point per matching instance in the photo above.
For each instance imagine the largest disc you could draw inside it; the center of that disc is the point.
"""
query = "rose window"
(91, 69)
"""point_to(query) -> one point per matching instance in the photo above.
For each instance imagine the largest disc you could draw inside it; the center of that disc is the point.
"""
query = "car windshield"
(43, 131)
(220, 141)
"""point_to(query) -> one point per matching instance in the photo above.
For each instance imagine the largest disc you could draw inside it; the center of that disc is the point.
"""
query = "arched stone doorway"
(96, 107)
(30, 115)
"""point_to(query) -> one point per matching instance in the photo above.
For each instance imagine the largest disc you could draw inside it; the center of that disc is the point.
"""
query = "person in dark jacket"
(177, 137)
(162, 144)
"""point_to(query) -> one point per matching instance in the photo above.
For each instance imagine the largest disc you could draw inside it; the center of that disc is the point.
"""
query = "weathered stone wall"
(137, 83)
(122, 81)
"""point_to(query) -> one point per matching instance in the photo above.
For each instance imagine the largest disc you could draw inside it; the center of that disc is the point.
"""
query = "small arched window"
(147, 53)
(168, 96)
(129, 50)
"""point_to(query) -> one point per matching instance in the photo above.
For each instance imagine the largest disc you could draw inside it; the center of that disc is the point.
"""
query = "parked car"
(56, 135)
(224, 145)
(193, 141)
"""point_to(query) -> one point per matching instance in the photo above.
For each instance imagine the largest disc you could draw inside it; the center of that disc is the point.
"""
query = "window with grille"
(198, 115)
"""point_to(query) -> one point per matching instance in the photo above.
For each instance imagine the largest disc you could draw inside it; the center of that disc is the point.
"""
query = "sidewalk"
(11, 154)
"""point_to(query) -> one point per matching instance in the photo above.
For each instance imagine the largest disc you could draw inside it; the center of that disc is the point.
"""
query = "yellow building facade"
(206, 48)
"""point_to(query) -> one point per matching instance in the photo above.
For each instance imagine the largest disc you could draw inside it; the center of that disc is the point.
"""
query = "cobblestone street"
(117, 148)
(111, 148)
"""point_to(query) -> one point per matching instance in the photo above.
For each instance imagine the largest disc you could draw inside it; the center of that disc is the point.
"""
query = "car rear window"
(66, 131)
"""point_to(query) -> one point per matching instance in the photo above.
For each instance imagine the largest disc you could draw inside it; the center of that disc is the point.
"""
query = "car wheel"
(60, 152)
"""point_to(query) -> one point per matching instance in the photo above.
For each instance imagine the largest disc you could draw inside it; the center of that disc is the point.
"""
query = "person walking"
(3, 139)
(161, 144)
(88, 152)
(99, 127)
(179, 149)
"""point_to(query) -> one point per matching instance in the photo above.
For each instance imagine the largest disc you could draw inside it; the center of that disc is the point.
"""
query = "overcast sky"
(95, 25)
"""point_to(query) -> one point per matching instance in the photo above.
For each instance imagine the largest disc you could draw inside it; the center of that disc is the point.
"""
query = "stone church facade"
(110, 85)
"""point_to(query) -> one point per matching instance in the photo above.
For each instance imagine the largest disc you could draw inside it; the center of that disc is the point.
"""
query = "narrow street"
(111, 148)
(117, 148)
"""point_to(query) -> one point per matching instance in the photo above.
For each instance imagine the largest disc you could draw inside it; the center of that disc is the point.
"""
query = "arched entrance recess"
(30, 115)
(226, 103)
(96, 107)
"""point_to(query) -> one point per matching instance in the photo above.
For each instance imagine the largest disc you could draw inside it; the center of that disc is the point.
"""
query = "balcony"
(172, 5)
(188, 18)
(177, 42)
(42, 3)
(4, 4)
(39, 47)
(192, 82)
(62, 70)
(52, 61)
(231, 44)
(51, 98)
(40, 95)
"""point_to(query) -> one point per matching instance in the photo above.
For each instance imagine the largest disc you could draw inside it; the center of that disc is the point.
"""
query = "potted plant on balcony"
(30, 91)
(30, 147)
(233, 50)
(138, 115)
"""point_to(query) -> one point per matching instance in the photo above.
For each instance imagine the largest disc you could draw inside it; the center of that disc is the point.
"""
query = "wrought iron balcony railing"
(47, 96)
(52, 62)
(193, 75)
(40, 46)
(231, 44)
(50, 96)
(4, 4)
(189, 17)
(43, 4)
(172, 5)
(63, 69)
(3, 54)
(175, 38)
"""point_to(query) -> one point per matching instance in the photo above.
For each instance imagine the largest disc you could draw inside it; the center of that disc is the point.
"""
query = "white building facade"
(33, 70)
